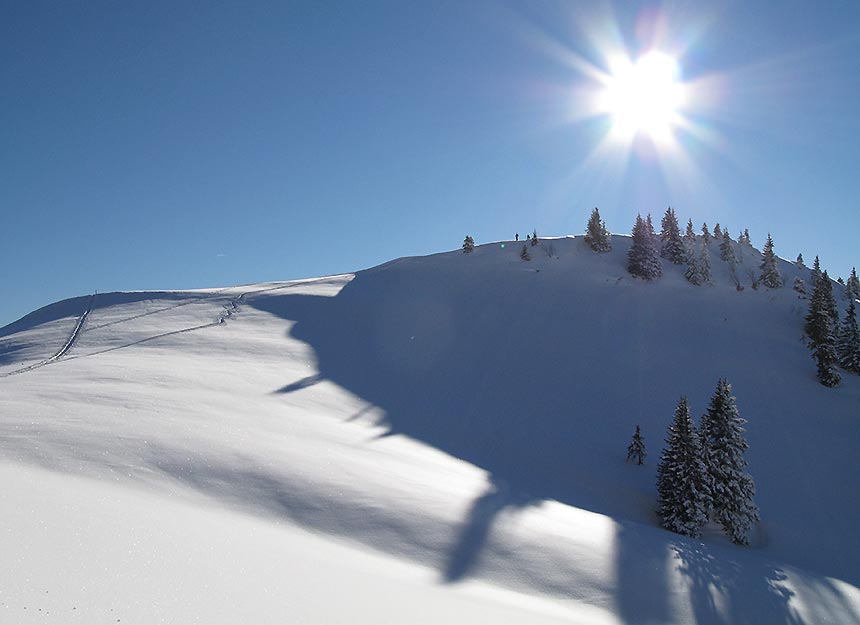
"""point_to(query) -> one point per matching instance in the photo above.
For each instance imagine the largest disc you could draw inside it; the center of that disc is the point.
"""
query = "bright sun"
(645, 96)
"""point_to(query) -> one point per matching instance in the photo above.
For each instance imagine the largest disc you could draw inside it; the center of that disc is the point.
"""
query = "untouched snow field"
(435, 440)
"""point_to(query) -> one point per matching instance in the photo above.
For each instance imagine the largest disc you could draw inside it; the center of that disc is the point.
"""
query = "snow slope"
(436, 439)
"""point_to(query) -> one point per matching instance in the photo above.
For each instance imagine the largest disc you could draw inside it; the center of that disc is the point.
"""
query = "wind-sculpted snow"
(465, 415)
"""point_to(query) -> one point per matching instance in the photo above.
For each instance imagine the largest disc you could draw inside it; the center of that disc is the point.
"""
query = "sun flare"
(644, 96)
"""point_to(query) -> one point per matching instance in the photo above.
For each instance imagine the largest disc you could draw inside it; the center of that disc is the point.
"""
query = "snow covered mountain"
(437, 439)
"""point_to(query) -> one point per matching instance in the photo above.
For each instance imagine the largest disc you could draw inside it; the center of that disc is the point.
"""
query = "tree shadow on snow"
(726, 592)
(473, 533)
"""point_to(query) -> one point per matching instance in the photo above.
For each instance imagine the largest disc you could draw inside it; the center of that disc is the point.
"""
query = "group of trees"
(702, 471)
(833, 345)
(690, 249)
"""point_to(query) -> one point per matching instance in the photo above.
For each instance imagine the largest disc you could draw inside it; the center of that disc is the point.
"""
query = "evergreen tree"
(596, 234)
(848, 343)
(821, 303)
(704, 263)
(468, 244)
(800, 287)
(829, 300)
(799, 262)
(732, 489)
(819, 328)
(689, 234)
(524, 254)
(727, 252)
(816, 272)
(747, 237)
(643, 259)
(535, 237)
(672, 248)
(683, 494)
(636, 448)
(852, 287)
(706, 235)
(692, 253)
(769, 271)
(718, 233)
(825, 360)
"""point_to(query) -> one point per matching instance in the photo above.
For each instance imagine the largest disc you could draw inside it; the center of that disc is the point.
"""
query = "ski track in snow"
(204, 298)
(230, 309)
(73, 337)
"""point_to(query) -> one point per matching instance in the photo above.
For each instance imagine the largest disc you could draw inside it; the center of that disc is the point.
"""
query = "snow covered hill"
(437, 439)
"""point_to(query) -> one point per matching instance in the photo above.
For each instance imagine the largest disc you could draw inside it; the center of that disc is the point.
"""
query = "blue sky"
(165, 145)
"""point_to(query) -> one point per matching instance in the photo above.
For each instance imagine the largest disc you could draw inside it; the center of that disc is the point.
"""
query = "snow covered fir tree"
(670, 237)
(596, 234)
(852, 285)
(704, 265)
(683, 490)
(636, 449)
(848, 341)
(691, 253)
(727, 250)
(643, 258)
(820, 328)
(731, 488)
(468, 244)
(770, 276)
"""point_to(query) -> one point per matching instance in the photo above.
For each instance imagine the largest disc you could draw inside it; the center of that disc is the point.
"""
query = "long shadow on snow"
(402, 349)
(521, 392)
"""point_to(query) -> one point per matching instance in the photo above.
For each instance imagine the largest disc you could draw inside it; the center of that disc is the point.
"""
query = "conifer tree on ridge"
(672, 247)
(691, 254)
(596, 234)
(816, 272)
(769, 271)
(727, 252)
(704, 263)
(468, 244)
(643, 259)
(852, 287)
(820, 328)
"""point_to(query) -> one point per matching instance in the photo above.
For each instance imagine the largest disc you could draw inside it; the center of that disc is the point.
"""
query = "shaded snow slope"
(464, 416)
